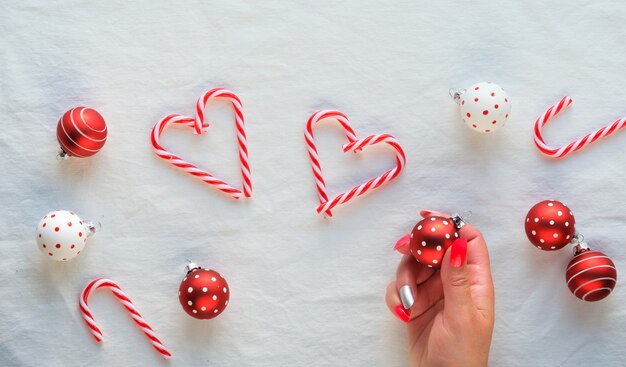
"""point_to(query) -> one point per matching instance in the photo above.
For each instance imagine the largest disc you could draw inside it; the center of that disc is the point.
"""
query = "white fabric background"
(305, 291)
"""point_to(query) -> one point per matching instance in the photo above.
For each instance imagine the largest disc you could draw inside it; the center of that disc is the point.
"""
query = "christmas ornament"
(199, 125)
(203, 294)
(550, 225)
(61, 235)
(591, 275)
(431, 237)
(128, 305)
(356, 145)
(484, 107)
(576, 144)
(81, 132)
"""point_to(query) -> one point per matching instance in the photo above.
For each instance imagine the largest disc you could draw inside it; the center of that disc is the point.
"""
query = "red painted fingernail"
(403, 241)
(459, 252)
(425, 213)
(402, 313)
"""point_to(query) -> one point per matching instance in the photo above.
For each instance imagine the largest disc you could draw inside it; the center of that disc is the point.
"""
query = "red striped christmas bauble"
(81, 132)
(591, 275)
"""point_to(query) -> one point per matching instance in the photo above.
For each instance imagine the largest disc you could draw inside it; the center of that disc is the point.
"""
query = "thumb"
(456, 281)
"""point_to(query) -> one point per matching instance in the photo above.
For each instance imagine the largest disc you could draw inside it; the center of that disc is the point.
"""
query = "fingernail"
(403, 241)
(425, 213)
(406, 296)
(458, 252)
(402, 313)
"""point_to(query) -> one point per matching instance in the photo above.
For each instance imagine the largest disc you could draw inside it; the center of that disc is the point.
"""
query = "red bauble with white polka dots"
(203, 293)
(591, 275)
(431, 237)
(61, 235)
(550, 225)
(484, 107)
(81, 132)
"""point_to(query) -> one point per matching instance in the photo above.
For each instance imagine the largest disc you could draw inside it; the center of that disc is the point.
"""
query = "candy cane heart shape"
(199, 125)
(576, 144)
(315, 118)
(354, 145)
(128, 305)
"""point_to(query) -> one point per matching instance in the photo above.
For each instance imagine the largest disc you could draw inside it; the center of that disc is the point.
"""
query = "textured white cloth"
(305, 291)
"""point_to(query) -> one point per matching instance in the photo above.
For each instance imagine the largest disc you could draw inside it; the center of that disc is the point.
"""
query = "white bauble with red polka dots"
(485, 107)
(61, 235)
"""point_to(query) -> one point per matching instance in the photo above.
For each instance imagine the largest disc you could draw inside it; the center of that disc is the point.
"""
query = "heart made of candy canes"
(356, 145)
(199, 125)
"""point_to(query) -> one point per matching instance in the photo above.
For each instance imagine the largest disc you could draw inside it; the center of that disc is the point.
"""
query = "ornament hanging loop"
(93, 228)
(191, 266)
(458, 220)
(456, 94)
(577, 238)
(62, 155)
(580, 246)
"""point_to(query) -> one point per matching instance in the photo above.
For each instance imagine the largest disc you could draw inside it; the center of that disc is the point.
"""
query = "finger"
(416, 285)
(479, 269)
(392, 298)
(426, 295)
(480, 274)
(402, 245)
(409, 275)
(456, 282)
(478, 262)
(431, 213)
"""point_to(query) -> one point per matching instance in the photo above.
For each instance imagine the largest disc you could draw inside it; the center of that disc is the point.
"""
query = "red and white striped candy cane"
(374, 182)
(134, 314)
(355, 145)
(575, 145)
(199, 124)
(312, 148)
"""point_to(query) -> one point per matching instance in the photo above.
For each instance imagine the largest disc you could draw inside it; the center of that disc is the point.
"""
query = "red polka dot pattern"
(591, 276)
(203, 294)
(550, 225)
(485, 107)
(58, 234)
(430, 238)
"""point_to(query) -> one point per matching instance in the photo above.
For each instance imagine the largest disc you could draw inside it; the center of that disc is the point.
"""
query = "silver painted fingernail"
(406, 296)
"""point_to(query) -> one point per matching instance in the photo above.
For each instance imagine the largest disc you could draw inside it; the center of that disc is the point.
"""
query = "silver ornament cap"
(191, 266)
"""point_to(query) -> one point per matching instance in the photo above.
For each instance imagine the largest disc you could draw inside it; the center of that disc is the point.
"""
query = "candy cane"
(575, 145)
(374, 182)
(121, 296)
(355, 145)
(181, 163)
(239, 123)
(199, 125)
(315, 163)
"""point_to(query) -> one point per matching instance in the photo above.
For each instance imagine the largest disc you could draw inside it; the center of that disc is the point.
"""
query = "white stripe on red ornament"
(584, 297)
(587, 269)
(591, 281)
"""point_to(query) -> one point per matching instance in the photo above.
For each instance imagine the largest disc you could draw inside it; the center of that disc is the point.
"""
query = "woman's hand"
(449, 313)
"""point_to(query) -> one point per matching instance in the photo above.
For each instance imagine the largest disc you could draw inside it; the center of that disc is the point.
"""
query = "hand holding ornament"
(449, 313)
